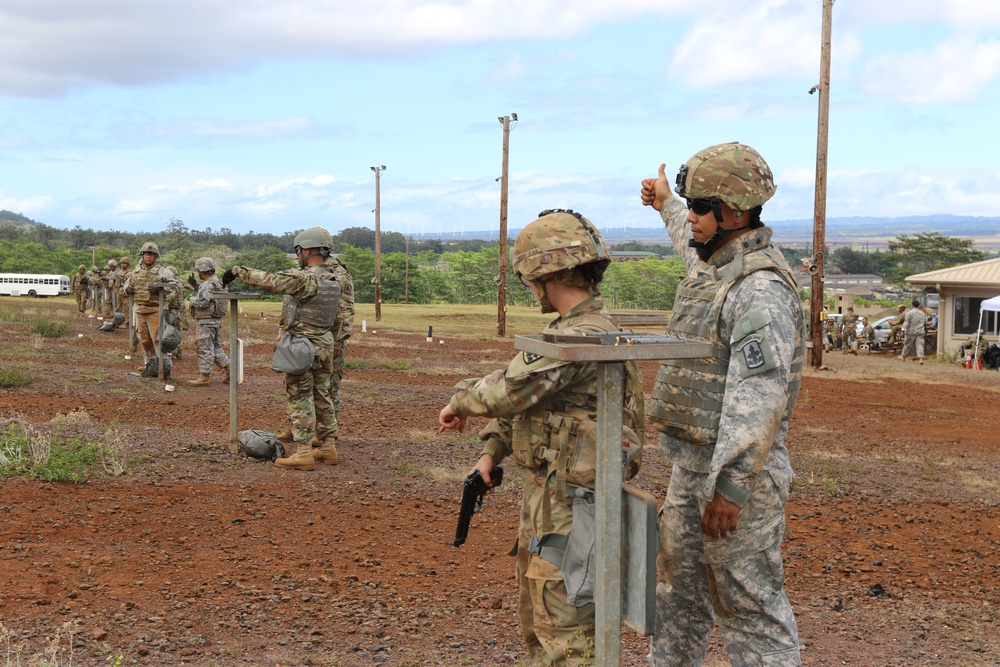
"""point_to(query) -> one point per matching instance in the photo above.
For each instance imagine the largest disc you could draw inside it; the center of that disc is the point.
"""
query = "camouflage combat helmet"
(173, 270)
(733, 173)
(112, 264)
(93, 268)
(204, 265)
(125, 260)
(559, 239)
(83, 267)
(149, 246)
(314, 237)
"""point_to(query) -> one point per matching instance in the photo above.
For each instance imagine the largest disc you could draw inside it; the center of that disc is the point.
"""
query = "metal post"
(234, 374)
(608, 515)
(378, 245)
(819, 211)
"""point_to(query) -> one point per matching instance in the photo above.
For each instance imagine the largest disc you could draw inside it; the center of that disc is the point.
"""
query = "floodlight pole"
(819, 214)
(378, 245)
(502, 277)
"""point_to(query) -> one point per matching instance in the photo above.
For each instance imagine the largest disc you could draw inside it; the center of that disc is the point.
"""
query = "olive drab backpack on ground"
(261, 445)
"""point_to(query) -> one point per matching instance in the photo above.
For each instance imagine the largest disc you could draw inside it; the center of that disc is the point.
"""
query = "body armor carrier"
(214, 310)
(563, 443)
(147, 300)
(688, 393)
(321, 310)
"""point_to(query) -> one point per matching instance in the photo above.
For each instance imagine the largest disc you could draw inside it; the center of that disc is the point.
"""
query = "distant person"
(896, 325)
(542, 411)
(723, 420)
(208, 313)
(78, 285)
(849, 332)
(312, 299)
(867, 333)
(914, 331)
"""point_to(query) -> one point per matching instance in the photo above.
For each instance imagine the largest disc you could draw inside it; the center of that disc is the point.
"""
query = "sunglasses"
(702, 206)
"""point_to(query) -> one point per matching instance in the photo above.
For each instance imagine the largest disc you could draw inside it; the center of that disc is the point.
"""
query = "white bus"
(33, 284)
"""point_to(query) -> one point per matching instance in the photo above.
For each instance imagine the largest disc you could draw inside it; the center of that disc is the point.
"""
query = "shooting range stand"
(235, 360)
(610, 351)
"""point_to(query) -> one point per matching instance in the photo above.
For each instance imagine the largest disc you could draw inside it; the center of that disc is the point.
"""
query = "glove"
(228, 277)
(192, 282)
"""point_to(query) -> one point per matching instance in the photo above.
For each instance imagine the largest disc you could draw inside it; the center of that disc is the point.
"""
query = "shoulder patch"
(530, 358)
(755, 355)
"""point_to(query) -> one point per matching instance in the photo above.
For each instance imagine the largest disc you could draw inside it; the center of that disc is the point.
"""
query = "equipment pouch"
(261, 445)
(169, 334)
(579, 560)
(293, 354)
(525, 439)
(581, 465)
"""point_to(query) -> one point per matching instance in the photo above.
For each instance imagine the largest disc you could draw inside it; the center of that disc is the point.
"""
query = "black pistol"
(472, 501)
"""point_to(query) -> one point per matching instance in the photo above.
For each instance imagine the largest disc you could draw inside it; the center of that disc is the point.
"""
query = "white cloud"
(123, 42)
(960, 13)
(28, 206)
(954, 70)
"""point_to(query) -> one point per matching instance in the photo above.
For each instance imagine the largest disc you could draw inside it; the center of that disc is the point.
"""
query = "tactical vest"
(321, 310)
(141, 277)
(688, 393)
(216, 308)
(564, 443)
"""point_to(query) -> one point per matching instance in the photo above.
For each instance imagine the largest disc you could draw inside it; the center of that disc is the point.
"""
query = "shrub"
(12, 377)
(28, 451)
(49, 328)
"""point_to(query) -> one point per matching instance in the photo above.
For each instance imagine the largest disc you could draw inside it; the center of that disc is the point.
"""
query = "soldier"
(849, 332)
(208, 313)
(78, 285)
(112, 281)
(93, 283)
(341, 332)
(724, 419)
(914, 330)
(176, 304)
(896, 325)
(312, 298)
(544, 413)
(867, 334)
(124, 271)
(147, 303)
(833, 334)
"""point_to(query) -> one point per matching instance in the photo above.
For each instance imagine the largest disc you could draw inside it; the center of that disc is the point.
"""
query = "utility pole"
(819, 214)
(378, 246)
(406, 275)
(502, 277)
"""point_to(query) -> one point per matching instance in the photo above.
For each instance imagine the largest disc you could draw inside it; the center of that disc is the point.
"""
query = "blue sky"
(266, 116)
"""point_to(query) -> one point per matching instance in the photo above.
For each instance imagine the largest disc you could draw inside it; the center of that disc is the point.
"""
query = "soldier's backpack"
(261, 445)
(169, 334)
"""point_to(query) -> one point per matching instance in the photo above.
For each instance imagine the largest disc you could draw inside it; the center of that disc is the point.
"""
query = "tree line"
(425, 270)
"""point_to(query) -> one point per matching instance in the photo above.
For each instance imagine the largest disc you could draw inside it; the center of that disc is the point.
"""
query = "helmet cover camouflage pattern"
(149, 246)
(112, 263)
(329, 239)
(559, 239)
(204, 265)
(83, 267)
(125, 260)
(734, 173)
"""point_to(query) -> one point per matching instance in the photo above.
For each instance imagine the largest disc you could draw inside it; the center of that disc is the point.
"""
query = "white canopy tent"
(989, 304)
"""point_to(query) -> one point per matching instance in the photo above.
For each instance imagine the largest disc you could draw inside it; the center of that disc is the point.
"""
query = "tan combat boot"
(302, 459)
(225, 374)
(327, 453)
(286, 435)
(201, 381)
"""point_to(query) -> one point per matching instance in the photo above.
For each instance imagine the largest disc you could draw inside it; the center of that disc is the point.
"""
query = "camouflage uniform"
(868, 334)
(175, 302)
(849, 331)
(93, 283)
(79, 289)
(529, 400)
(147, 305)
(342, 329)
(914, 330)
(723, 423)
(896, 325)
(207, 313)
(113, 280)
(310, 406)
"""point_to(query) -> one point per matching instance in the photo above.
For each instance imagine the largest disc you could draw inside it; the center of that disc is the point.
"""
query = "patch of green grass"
(28, 452)
(8, 315)
(355, 364)
(397, 364)
(12, 377)
(944, 410)
(49, 328)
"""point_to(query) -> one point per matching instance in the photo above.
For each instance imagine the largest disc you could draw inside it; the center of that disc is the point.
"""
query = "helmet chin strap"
(705, 249)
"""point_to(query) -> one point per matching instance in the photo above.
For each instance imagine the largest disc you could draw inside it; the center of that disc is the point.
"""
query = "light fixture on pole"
(502, 277)
(378, 244)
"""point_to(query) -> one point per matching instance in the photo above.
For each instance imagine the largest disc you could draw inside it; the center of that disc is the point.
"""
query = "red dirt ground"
(199, 557)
